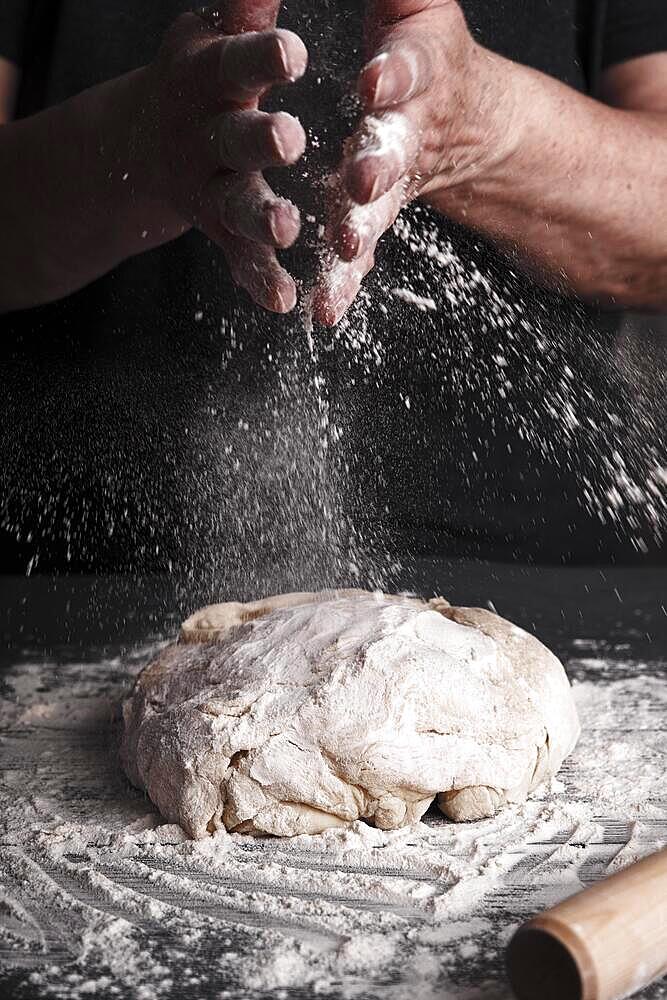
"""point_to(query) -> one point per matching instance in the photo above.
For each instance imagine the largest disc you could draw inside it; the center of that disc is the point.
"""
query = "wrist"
(499, 112)
(489, 136)
(124, 155)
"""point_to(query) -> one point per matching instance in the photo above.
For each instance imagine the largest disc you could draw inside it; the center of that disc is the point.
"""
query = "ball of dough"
(308, 711)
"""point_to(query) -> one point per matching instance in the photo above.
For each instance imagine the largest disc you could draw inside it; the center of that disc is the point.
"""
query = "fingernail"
(273, 218)
(363, 188)
(394, 82)
(381, 90)
(286, 299)
(278, 142)
(371, 75)
(287, 136)
(384, 83)
(283, 222)
(323, 310)
(348, 243)
(328, 315)
(376, 186)
(292, 65)
(283, 59)
(387, 90)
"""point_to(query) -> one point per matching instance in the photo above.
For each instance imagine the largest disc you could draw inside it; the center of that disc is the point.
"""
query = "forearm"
(135, 162)
(579, 188)
(72, 205)
(9, 81)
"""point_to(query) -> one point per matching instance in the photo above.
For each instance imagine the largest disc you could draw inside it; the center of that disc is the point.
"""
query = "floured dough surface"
(296, 714)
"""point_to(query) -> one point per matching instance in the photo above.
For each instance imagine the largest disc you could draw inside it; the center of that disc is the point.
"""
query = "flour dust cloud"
(456, 408)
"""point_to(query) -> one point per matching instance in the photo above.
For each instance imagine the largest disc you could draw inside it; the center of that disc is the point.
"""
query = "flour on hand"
(310, 711)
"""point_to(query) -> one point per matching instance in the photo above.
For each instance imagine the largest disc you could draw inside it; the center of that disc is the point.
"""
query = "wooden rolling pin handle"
(604, 943)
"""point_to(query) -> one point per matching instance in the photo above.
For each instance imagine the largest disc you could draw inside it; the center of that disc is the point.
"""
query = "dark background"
(120, 415)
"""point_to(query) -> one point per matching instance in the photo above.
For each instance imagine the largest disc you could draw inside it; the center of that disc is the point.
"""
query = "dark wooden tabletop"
(608, 625)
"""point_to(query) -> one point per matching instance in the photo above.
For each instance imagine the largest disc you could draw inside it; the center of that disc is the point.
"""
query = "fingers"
(386, 145)
(362, 226)
(338, 288)
(247, 207)
(246, 141)
(247, 220)
(252, 62)
(402, 70)
(354, 239)
(379, 162)
(255, 268)
(381, 152)
(235, 16)
(240, 68)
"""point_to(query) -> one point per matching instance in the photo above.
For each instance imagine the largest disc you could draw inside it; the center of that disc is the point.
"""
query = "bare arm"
(9, 78)
(137, 161)
(577, 186)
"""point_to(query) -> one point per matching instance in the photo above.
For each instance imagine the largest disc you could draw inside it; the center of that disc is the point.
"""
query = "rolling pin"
(604, 943)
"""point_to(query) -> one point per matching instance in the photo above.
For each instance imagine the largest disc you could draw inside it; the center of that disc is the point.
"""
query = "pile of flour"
(100, 897)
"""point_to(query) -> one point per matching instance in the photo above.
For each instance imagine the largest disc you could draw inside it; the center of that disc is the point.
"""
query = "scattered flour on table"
(98, 896)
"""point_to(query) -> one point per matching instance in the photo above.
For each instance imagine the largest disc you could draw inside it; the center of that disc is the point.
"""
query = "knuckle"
(227, 129)
(226, 56)
(181, 37)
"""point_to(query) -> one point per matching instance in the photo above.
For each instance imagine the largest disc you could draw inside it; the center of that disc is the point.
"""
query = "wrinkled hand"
(433, 114)
(201, 142)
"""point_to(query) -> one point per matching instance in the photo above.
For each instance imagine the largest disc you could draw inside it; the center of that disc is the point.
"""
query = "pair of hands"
(425, 93)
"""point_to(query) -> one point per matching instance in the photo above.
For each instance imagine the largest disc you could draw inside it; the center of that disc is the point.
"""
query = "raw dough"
(299, 713)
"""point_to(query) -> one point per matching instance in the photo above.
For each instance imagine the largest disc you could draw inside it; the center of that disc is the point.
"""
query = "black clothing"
(142, 414)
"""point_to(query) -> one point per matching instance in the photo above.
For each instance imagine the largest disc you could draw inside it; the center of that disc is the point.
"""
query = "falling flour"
(99, 897)
(243, 469)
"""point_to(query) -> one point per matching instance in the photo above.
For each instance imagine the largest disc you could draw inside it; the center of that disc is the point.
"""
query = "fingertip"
(284, 222)
(328, 317)
(249, 64)
(392, 77)
(325, 314)
(323, 310)
(292, 55)
(288, 137)
(334, 295)
(369, 78)
(284, 299)
(365, 178)
(347, 242)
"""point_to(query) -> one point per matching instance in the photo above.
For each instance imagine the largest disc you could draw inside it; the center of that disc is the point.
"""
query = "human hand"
(200, 143)
(436, 117)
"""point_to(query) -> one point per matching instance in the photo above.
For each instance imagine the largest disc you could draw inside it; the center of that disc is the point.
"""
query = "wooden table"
(610, 628)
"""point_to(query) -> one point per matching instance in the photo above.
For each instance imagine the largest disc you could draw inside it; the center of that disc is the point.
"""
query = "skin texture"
(575, 187)
(637, 85)
(9, 78)
(137, 161)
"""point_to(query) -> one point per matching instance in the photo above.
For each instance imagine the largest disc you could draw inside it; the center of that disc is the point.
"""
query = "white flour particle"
(100, 896)
(422, 302)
